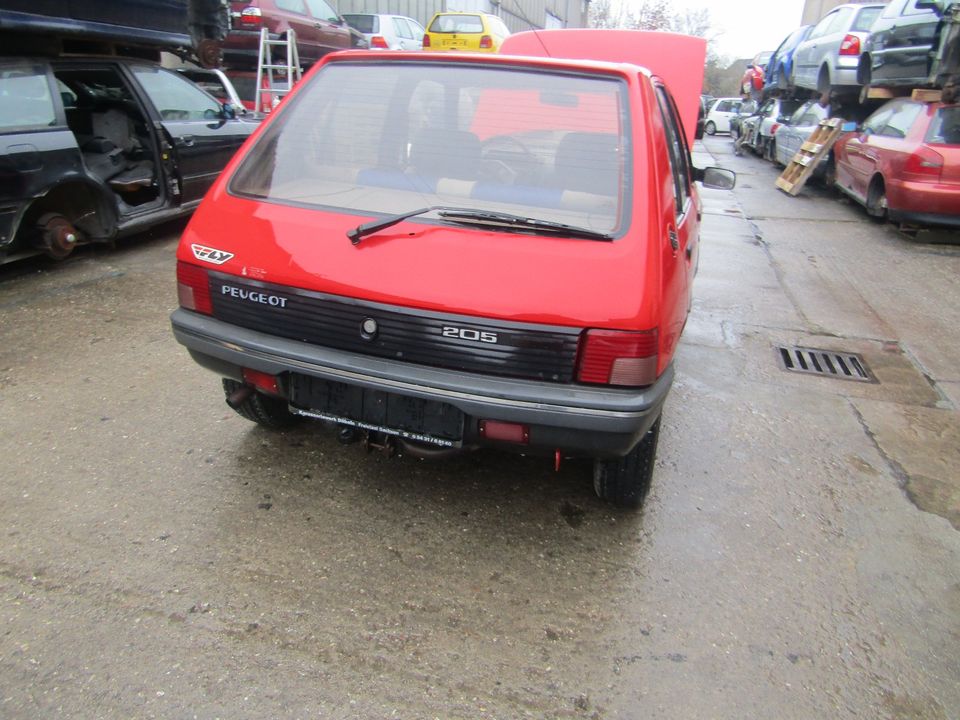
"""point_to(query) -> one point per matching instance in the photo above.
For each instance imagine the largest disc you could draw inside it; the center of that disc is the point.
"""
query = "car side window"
(902, 120)
(176, 98)
(25, 98)
(912, 9)
(321, 10)
(841, 20)
(401, 28)
(676, 146)
(294, 6)
(823, 26)
(894, 8)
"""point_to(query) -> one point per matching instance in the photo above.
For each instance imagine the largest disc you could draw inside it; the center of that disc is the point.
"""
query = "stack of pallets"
(815, 149)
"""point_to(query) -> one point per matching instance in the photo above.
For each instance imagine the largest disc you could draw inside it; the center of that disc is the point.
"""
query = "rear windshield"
(364, 23)
(371, 138)
(945, 129)
(456, 24)
(865, 19)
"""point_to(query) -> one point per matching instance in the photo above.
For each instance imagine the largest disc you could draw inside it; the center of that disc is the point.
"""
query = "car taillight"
(618, 357)
(486, 42)
(850, 45)
(924, 165)
(426, 41)
(251, 17)
(193, 288)
(774, 128)
(378, 41)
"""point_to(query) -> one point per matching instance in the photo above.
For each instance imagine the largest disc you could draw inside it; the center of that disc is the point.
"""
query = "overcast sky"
(748, 26)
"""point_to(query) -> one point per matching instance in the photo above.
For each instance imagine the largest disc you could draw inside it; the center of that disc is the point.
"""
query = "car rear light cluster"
(379, 41)
(426, 41)
(850, 45)
(616, 357)
(251, 17)
(486, 42)
(924, 165)
(193, 288)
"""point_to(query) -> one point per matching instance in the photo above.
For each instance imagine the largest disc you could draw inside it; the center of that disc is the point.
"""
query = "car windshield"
(384, 138)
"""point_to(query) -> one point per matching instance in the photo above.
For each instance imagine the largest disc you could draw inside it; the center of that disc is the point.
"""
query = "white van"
(718, 118)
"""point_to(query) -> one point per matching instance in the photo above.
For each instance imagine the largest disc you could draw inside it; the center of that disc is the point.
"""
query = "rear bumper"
(594, 421)
(924, 203)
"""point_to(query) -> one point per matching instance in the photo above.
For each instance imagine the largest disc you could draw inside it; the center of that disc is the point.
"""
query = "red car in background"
(398, 256)
(904, 163)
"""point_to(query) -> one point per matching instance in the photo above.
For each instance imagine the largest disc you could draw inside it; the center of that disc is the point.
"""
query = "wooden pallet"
(815, 149)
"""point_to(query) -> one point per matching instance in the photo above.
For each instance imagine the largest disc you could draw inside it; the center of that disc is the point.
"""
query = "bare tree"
(642, 15)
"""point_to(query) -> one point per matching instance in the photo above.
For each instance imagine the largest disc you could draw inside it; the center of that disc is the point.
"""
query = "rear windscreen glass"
(389, 138)
(945, 129)
(865, 19)
(364, 23)
(457, 24)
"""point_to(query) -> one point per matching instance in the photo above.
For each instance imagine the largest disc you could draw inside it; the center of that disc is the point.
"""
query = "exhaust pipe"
(239, 396)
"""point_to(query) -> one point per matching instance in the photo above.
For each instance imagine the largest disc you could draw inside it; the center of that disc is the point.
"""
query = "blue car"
(779, 71)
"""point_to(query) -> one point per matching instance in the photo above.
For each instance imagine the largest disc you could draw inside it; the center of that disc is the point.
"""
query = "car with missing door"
(395, 255)
(95, 148)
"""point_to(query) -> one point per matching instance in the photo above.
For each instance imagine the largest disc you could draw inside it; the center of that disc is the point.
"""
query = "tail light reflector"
(774, 128)
(618, 357)
(486, 42)
(508, 432)
(426, 41)
(251, 16)
(193, 288)
(262, 381)
(850, 45)
(924, 165)
(379, 41)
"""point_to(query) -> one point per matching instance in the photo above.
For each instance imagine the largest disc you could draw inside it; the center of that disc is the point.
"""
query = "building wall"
(517, 14)
(813, 10)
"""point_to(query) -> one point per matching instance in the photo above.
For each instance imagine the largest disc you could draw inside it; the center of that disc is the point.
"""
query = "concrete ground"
(798, 557)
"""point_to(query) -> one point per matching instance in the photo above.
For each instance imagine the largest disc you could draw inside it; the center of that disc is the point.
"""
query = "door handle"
(674, 240)
(318, 26)
(187, 140)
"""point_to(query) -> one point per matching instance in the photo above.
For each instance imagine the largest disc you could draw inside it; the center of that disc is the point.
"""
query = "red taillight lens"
(925, 165)
(486, 42)
(262, 381)
(426, 41)
(379, 41)
(774, 128)
(193, 288)
(507, 432)
(617, 357)
(850, 45)
(251, 17)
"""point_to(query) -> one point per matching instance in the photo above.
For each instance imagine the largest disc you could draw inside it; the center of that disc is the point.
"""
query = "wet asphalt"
(798, 557)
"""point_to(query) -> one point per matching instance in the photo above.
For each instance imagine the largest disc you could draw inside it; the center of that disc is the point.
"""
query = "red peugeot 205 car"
(443, 252)
(904, 163)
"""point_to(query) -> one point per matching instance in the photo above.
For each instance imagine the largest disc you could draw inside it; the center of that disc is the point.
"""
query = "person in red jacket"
(751, 84)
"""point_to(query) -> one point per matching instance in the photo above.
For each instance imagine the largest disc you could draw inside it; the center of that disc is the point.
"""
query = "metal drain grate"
(827, 363)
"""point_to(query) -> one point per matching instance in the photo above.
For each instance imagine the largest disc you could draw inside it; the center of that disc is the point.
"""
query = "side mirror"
(229, 111)
(717, 178)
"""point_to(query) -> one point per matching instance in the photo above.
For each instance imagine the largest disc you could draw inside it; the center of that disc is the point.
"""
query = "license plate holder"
(408, 417)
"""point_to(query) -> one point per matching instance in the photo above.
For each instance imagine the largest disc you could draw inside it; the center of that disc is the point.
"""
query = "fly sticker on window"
(210, 255)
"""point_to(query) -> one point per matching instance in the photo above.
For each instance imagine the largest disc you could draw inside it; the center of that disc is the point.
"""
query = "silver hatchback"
(827, 60)
(388, 32)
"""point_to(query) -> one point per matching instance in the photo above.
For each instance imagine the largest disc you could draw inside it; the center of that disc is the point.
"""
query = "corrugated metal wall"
(517, 14)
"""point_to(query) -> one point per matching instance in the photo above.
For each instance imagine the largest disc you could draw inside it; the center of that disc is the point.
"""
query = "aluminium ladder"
(280, 84)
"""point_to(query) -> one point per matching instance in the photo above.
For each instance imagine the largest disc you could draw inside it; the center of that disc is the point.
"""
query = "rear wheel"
(877, 200)
(625, 481)
(710, 128)
(823, 81)
(270, 412)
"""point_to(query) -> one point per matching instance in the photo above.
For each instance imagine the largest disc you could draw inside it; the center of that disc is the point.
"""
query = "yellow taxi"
(474, 32)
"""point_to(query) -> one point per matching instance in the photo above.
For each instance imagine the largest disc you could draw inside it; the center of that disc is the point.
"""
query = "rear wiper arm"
(470, 216)
(520, 222)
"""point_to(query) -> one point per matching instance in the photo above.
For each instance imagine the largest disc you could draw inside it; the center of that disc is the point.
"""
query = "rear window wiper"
(468, 216)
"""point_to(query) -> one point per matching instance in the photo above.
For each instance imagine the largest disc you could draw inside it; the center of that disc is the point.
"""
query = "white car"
(718, 117)
(388, 32)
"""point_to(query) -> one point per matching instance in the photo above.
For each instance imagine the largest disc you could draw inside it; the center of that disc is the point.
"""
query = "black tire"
(710, 128)
(625, 481)
(270, 412)
(877, 200)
